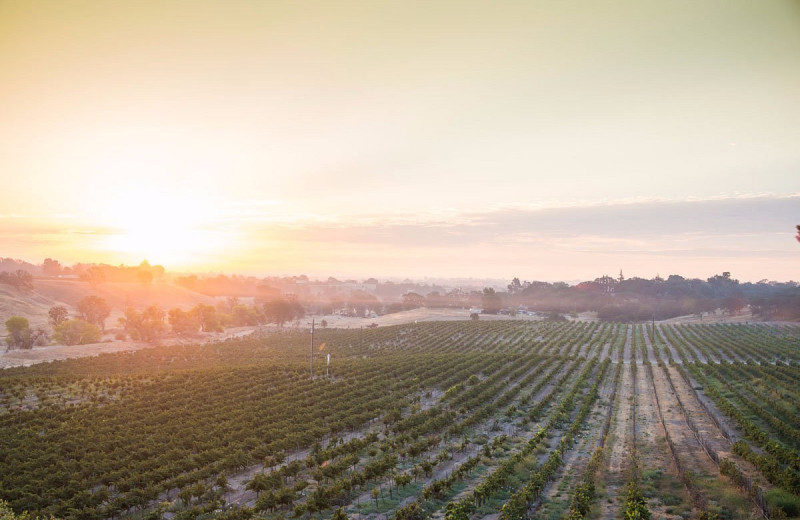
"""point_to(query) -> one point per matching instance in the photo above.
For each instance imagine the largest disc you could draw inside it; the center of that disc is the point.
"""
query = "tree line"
(639, 299)
(613, 298)
(88, 322)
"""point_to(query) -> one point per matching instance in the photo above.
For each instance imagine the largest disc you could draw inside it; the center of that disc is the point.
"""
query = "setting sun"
(163, 228)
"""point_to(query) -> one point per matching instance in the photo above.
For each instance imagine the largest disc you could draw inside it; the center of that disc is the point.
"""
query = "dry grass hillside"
(49, 292)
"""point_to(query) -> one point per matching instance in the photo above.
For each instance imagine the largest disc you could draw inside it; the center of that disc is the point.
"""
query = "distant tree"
(147, 325)
(413, 300)
(19, 332)
(361, 302)
(798, 233)
(20, 279)
(324, 323)
(474, 316)
(144, 277)
(723, 285)
(606, 285)
(183, 322)
(94, 275)
(491, 301)
(24, 279)
(190, 282)
(435, 300)
(154, 326)
(51, 267)
(20, 335)
(394, 307)
(131, 322)
(206, 316)
(733, 303)
(281, 310)
(339, 515)
(76, 332)
(95, 310)
(554, 316)
(242, 315)
(56, 315)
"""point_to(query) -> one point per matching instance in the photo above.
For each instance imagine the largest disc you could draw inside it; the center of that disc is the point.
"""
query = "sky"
(544, 140)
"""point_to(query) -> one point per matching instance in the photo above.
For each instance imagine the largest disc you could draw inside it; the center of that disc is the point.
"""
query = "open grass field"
(442, 419)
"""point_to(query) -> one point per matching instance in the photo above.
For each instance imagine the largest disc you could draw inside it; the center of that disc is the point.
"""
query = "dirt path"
(655, 460)
(711, 429)
(652, 356)
(637, 348)
(620, 440)
(692, 455)
(613, 351)
(707, 430)
(707, 486)
(604, 354)
(627, 355)
(725, 424)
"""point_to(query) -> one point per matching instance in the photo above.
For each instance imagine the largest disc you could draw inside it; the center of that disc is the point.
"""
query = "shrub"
(76, 332)
(784, 500)
(21, 336)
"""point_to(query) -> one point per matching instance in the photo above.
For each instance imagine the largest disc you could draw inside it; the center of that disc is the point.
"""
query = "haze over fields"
(488, 139)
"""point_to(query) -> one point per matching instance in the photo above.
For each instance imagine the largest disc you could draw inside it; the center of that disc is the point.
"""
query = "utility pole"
(311, 356)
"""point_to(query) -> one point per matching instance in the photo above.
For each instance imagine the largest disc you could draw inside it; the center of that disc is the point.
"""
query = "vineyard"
(455, 420)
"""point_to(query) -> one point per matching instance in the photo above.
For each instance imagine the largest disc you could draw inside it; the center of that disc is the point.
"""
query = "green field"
(445, 419)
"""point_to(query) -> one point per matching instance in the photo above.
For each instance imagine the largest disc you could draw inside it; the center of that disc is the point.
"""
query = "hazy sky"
(541, 139)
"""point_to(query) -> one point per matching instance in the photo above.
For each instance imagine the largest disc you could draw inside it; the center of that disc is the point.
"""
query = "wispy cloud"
(633, 223)
(750, 235)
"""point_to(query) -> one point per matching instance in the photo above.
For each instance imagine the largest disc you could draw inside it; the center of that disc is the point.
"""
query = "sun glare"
(174, 230)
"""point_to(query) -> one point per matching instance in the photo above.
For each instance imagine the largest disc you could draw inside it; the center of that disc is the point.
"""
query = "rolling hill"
(47, 292)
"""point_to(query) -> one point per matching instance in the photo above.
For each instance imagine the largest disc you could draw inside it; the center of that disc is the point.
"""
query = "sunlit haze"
(545, 140)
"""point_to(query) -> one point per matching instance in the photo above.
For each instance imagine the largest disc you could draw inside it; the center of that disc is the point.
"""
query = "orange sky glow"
(443, 139)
